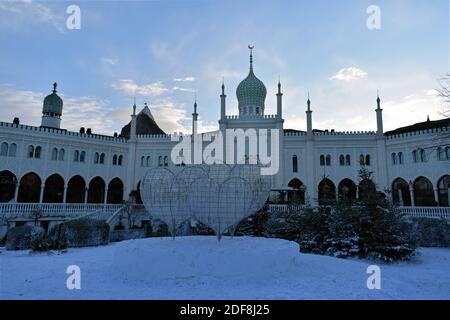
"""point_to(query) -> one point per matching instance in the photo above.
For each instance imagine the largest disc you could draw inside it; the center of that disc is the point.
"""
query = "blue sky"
(165, 52)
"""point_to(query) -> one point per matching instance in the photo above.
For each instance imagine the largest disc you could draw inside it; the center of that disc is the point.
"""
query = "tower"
(131, 169)
(379, 112)
(308, 118)
(223, 96)
(279, 101)
(52, 110)
(311, 192)
(194, 119)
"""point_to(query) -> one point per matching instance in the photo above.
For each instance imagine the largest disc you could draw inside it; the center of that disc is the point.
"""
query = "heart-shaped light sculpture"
(218, 195)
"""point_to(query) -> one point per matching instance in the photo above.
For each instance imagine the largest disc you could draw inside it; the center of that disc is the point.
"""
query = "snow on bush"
(20, 238)
(82, 232)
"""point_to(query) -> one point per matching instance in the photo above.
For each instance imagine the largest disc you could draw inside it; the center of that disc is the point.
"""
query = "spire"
(195, 106)
(134, 107)
(223, 86)
(308, 102)
(54, 87)
(378, 99)
(251, 57)
(279, 85)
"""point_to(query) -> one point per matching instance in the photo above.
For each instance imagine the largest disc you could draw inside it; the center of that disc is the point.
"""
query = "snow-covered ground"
(202, 268)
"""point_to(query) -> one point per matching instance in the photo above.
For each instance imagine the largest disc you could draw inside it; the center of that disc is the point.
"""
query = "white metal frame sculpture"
(218, 195)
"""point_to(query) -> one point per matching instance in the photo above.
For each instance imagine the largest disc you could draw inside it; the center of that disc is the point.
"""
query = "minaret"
(309, 118)
(131, 161)
(381, 165)
(279, 101)
(194, 119)
(133, 124)
(379, 112)
(223, 96)
(52, 110)
(311, 191)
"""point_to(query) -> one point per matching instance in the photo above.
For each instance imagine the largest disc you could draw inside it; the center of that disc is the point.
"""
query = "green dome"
(53, 103)
(251, 92)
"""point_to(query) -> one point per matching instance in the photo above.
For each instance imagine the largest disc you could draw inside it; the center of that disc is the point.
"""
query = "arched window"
(394, 158)
(160, 161)
(367, 159)
(400, 157)
(424, 193)
(341, 160)
(114, 162)
(447, 153)
(148, 162)
(37, 152)
(142, 161)
(400, 192)
(327, 192)
(415, 157)
(347, 160)
(76, 156)
(61, 154)
(54, 154)
(444, 191)
(4, 149)
(166, 161)
(102, 158)
(322, 160)
(361, 160)
(328, 160)
(423, 156)
(298, 194)
(120, 160)
(294, 164)
(82, 156)
(12, 150)
(96, 157)
(29, 188)
(347, 190)
(30, 151)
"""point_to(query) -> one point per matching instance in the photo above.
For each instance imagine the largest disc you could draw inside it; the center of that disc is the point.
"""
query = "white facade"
(335, 156)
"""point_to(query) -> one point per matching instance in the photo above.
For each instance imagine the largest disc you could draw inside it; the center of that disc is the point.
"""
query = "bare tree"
(444, 93)
(442, 138)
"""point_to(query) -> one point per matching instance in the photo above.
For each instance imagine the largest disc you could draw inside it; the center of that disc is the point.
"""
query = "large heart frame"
(218, 195)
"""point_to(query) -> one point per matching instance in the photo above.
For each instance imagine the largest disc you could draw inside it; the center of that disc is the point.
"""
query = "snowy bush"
(430, 232)
(20, 238)
(367, 228)
(83, 232)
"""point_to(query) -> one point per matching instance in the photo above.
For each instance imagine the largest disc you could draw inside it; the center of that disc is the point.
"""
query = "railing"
(139, 213)
(426, 212)
(414, 212)
(277, 208)
(10, 211)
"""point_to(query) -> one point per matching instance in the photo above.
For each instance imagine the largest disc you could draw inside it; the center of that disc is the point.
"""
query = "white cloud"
(186, 79)
(14, 14)
(348, 74)
(109, 61)
(181, 89)
(132, 88)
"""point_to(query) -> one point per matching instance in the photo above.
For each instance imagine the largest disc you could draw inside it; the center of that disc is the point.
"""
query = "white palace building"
(48, 164)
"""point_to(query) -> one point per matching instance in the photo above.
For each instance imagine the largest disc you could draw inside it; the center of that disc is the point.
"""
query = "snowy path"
(42, 276)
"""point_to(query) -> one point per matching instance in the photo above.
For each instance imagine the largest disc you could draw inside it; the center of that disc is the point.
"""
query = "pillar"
(65, 193)
(411, 192)
(436, 196)
(41, 196)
